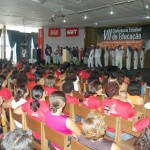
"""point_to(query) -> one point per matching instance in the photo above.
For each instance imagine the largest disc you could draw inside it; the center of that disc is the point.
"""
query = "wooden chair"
(146, 112)
(75, 145)
(4, 121)
(112, 122)
(77, 95)
(80, 111)
(146, 98)
(84, 87)
(13, 117)
(12, 87)
(139, 108)
(147, 91)
(126, 126)
(68, 109)
(36, 126)
(59, 139)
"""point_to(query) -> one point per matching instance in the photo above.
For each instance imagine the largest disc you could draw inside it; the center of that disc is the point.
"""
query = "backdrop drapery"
(12, 37)
(35, 39)
(0, 31)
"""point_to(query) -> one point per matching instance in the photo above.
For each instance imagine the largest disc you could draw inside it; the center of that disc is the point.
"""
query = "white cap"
(147, 105)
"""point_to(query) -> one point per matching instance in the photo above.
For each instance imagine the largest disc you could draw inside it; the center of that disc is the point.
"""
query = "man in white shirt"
(119, 54)
(112, 55)
(128, 57)
(142, 57)
(106, 56)
(91, 57)
(98, 52)
(135, 58)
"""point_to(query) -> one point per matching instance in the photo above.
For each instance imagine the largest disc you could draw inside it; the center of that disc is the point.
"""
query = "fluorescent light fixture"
(85, 17)
(111, 12)
(64, 20)
(146, 6)
(147, 17)
(96, 23)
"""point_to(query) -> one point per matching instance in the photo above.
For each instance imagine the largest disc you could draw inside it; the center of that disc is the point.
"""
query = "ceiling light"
(146, 6)
(64, 20)
(147, 17)
(85, 17)
(96, 23)
(111, 12)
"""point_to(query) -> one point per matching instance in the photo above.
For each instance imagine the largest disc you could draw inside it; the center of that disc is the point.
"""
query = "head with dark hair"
(2, 81)
(16, 140)
(62, 69)
(68, 86)
(39, 78)
(112, 89)
(57, 100)
(71, 75)
(37, 94)
(50, 81)
(94, 87)
(143, 142)
(134, 88)
(22, 79)
(20, 91)
(120, 77)
(113, 74)
(93, 76)
(138, 77)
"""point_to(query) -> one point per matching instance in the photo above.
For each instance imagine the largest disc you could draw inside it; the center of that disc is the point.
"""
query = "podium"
(65, 56)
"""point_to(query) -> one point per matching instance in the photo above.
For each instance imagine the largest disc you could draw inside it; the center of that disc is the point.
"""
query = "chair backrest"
(126, 126)
(77, 95)
(146, 112)
(4, 121)
(147, 91)
(75, 145)
(80, 111)
(112, 122)
(139, 108)
(146, 98)
(60, 139)
(36, 126)
(68, 109)
(13, 117)
(84, 87)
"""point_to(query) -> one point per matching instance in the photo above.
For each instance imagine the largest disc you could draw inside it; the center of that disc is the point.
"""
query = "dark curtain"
(0, 31)
(35, 39)
(12, 37)
(25, 41)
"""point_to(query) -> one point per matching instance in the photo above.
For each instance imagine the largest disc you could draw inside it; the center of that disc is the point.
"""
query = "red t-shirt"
(38, 115)
(29, 75)
(49, 90)
(91, 102)
(57, 74)
(83, 74)
(71, 100)
(30, 85)
(141, 124)
(115, 107)
(6, 94)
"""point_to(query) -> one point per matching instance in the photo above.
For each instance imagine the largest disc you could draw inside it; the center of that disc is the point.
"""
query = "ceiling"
(38, 14)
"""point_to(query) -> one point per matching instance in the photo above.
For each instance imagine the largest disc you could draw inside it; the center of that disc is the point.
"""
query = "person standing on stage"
(112, 55)
(91, 57)
(128, 57)
(119, 54)
(48, 52)
(135, 58)
(106, 56)
(142, 57)
(98, 52)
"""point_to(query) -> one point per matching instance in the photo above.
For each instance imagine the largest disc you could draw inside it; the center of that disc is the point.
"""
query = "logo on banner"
(54, 32)
(72, 31)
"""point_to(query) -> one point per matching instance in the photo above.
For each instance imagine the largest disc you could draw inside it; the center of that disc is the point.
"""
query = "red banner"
(72, 31)
(41, 41)
(54, 32)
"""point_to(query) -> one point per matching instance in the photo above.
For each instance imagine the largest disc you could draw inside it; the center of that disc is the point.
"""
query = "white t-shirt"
(14, 105)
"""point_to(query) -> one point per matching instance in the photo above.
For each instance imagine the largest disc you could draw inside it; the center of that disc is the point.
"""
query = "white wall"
(63, 40)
